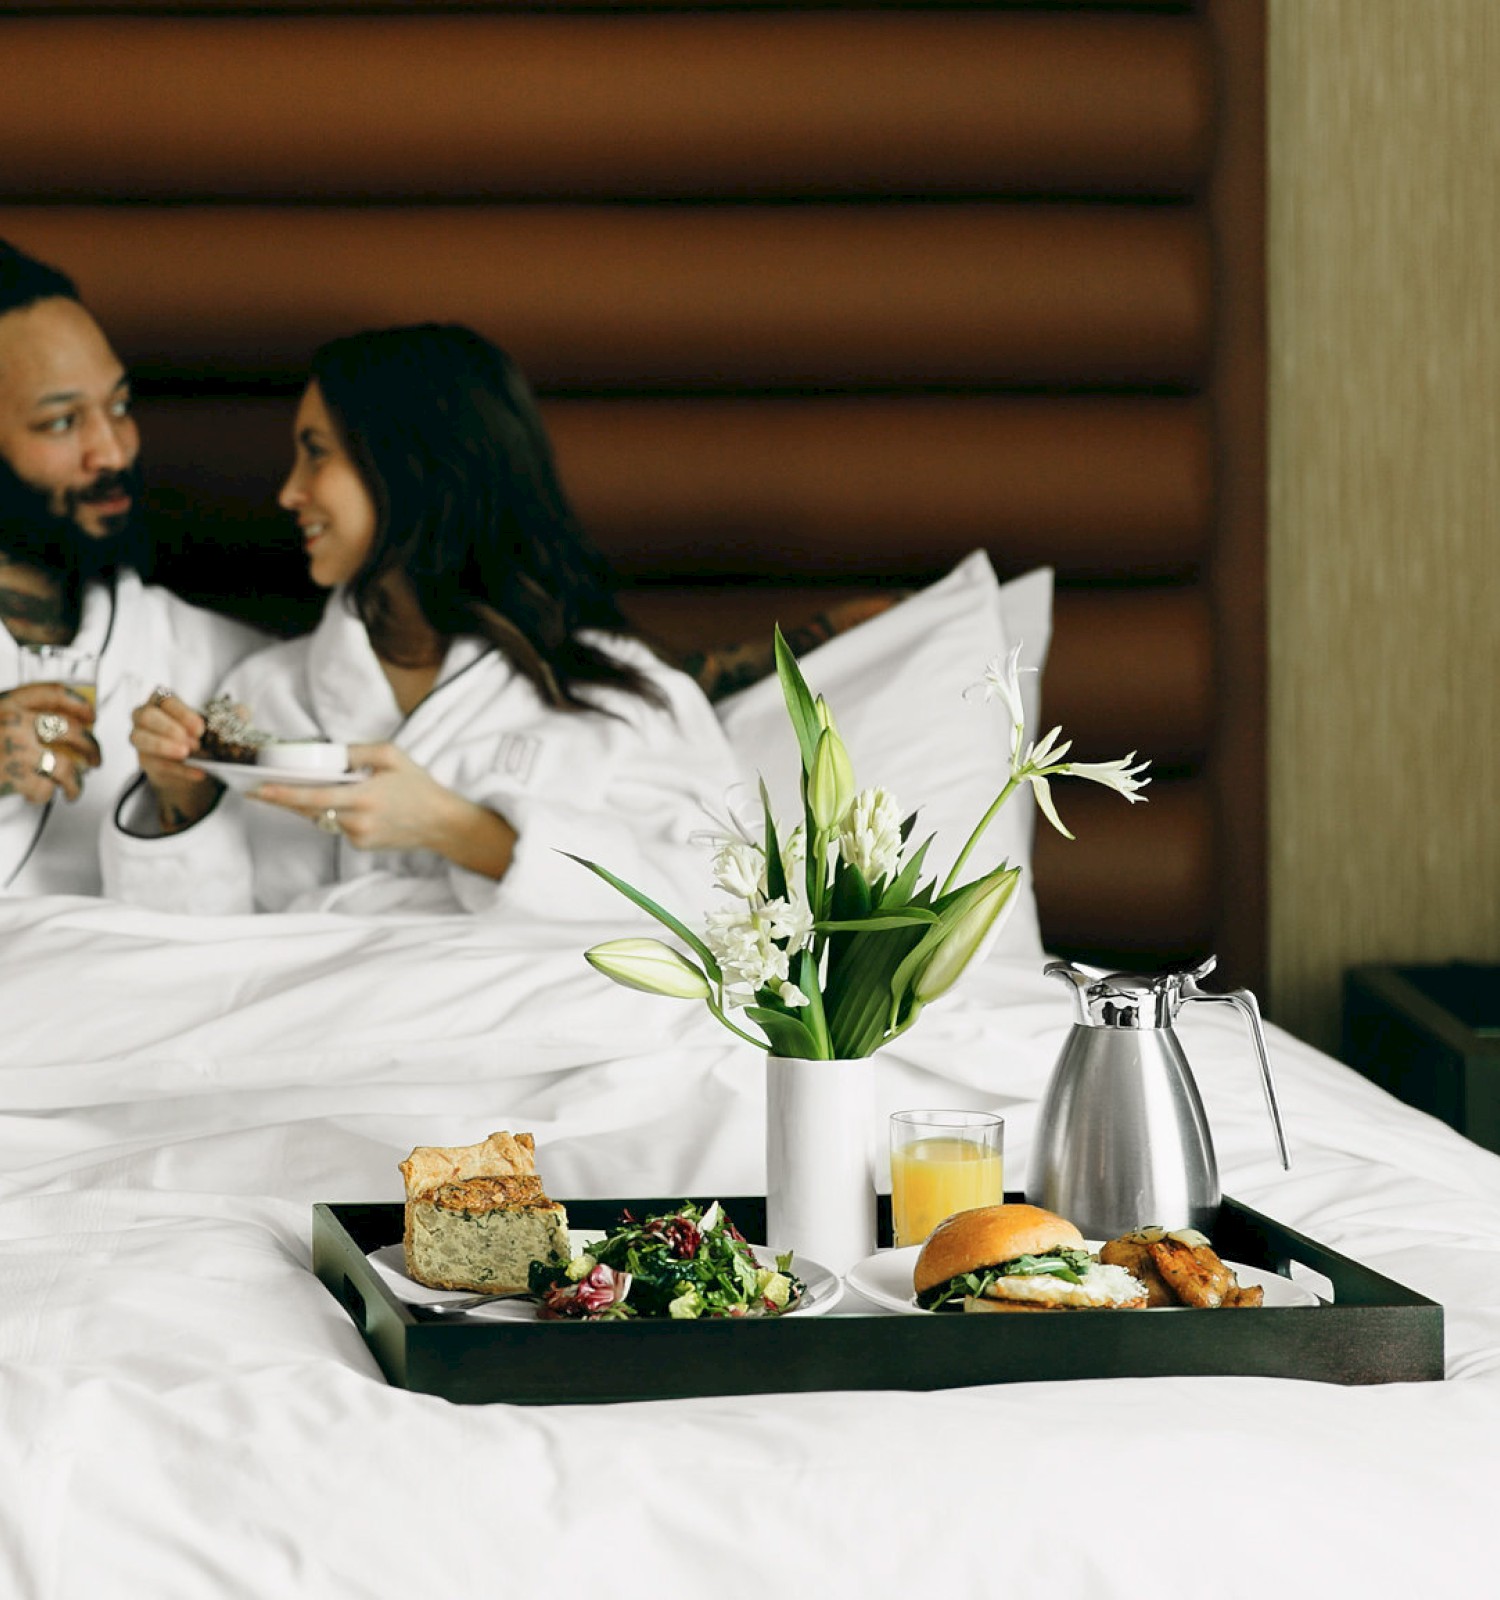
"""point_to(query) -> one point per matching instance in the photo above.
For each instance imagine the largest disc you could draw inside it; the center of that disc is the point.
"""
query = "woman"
(471, 655)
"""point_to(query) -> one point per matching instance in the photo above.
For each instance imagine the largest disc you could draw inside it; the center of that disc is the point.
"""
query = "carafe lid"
(1127, 999)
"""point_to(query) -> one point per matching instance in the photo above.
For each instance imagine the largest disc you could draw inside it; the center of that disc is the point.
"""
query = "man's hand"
(46, 742)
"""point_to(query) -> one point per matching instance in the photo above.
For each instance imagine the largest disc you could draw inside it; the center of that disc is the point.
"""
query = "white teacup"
(305, 755)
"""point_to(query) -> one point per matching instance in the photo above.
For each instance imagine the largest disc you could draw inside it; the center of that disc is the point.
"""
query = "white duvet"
(188, 1413)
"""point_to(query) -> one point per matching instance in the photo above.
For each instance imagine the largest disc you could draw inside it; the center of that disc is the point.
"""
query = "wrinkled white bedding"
(188, 1413)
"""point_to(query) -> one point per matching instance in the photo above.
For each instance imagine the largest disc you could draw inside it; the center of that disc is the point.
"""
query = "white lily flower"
(1117, 775)
(740, 869)
(1045, 754)
(1002, 681)
(1043, 793)
(871, 836)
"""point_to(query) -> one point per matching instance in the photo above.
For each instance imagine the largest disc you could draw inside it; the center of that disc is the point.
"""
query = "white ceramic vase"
(820, 1159)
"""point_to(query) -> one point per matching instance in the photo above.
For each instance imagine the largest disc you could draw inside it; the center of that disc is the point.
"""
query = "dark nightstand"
(1431, 1036)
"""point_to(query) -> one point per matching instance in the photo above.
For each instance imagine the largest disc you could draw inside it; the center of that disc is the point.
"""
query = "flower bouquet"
(834, 945)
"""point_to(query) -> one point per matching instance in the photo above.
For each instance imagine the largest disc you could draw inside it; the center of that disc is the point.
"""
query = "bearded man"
(71, 539)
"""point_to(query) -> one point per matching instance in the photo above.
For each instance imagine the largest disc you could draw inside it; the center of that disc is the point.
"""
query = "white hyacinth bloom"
(791, 920)
(790, 994)
(740, 869)
(747, 954)
(870, 839)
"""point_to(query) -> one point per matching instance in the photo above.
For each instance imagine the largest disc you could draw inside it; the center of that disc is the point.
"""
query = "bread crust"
(988, 1235)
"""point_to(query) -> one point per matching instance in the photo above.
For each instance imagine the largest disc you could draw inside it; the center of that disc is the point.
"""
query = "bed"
(190, 1411)
(1062, 452)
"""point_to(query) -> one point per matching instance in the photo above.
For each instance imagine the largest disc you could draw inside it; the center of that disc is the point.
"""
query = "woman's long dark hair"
(444, 430)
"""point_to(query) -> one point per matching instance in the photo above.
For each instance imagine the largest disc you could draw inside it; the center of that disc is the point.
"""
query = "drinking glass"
(69, 665)
(942, 1162)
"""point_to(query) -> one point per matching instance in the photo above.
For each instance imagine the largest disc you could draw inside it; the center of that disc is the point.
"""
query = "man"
(84, 640)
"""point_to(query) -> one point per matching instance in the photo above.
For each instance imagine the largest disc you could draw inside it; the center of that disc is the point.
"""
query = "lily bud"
(960, 932)
(650, 966)
(830, 784)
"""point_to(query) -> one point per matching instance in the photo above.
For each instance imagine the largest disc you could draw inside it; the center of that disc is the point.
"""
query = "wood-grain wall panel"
(536, 105)
(1160, 860)
(832, 488)
(658, 297)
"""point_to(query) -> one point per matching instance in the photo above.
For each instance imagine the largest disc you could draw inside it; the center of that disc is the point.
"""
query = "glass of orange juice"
(942, 1162)
(63, 664)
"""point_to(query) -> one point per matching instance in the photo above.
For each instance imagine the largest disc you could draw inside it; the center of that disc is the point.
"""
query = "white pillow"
(896, 687)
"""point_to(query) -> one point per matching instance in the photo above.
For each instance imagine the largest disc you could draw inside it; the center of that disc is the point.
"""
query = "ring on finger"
(46, 765)
(50, 726)
(328, 821)
(160, 693)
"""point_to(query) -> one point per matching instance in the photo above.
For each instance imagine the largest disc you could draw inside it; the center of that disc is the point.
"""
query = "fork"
(456, 1308)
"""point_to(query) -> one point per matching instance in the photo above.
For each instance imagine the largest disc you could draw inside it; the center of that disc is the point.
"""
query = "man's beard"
(31, 531)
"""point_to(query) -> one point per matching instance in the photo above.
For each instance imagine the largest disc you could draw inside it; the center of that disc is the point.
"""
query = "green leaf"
(775, 869)
(800, 705)
(807, 982)
(851, 893)
(788, 1035)
(857, 995)
(877, 922)
(904, 884)
(667, 920)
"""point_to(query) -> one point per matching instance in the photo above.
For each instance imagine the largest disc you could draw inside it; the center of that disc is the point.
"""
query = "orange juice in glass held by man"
(943, 1162)
(74, 669)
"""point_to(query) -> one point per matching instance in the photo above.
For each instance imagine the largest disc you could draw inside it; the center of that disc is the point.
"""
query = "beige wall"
(1384, 578)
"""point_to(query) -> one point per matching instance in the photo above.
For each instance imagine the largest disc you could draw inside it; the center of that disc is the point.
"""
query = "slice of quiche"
(477, 1217)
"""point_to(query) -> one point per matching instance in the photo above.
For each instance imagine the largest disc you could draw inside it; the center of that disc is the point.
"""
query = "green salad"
(688, 1264)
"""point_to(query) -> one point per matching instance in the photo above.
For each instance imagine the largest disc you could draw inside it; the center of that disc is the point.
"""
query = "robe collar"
(352, 700)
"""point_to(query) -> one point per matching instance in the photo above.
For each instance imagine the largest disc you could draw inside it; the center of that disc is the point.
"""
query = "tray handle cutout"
(1308, 1278)
(353, 1300)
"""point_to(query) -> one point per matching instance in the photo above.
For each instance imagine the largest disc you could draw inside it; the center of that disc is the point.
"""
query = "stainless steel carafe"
(1122, 1140)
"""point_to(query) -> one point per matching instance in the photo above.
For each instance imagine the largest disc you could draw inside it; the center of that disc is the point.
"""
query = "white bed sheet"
(187, 1412)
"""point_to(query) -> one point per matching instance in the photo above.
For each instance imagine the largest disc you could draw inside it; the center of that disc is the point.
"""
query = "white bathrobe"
(626, 790)
(143, 636)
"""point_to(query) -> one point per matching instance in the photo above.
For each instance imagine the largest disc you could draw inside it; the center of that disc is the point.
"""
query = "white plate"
(824, 1288)
(885, 1279)
(240, 775)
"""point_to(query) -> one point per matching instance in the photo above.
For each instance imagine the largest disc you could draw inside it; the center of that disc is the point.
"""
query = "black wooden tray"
(1376, 1331)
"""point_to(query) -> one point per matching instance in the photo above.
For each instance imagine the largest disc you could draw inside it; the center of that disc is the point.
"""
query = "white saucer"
(240, 775)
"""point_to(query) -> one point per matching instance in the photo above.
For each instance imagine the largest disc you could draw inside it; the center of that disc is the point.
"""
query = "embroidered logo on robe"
(518, 753)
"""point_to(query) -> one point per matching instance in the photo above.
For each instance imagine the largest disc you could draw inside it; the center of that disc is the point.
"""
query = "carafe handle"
(1245, 1003)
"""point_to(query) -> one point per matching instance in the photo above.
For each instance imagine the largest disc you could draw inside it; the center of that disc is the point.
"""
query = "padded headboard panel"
(817, 298)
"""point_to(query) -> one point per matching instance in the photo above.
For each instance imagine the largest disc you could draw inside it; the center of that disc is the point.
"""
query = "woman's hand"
(45, 742)
(400, 807)
(165, 732)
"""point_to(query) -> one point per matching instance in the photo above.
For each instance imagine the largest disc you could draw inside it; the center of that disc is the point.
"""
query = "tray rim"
(1376, 1331)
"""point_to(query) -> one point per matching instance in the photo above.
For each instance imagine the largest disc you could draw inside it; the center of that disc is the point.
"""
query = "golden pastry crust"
(502, 1155)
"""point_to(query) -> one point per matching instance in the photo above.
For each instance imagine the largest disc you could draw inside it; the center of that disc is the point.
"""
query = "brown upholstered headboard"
(818, 299)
